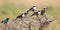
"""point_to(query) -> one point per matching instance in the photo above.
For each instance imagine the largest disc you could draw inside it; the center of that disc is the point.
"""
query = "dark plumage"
(33, 8)
(36, 13)
(5, 20)
(26, 12)
(22, 15)
(43, 11)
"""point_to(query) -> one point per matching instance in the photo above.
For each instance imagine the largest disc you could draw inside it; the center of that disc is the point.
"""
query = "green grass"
(10, 10)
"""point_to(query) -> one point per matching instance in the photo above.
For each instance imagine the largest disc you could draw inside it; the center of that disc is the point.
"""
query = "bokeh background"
(12, 8)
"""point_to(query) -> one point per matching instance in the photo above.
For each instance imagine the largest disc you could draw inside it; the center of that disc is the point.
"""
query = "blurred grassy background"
(12, 8)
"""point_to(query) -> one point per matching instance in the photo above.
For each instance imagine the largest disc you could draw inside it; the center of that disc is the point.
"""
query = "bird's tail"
(1, 21)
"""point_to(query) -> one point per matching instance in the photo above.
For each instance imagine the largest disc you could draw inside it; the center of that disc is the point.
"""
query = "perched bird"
(5, 20)
(36, 13)
(43, 11)
(26, 12)
(22, 15)
(33, 8)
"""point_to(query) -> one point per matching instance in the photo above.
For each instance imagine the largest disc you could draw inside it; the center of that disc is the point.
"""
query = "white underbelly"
(23, 15)
(39, 13)
(34, 8)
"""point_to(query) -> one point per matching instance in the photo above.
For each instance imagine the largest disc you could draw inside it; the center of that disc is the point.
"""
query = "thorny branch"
(41, 24)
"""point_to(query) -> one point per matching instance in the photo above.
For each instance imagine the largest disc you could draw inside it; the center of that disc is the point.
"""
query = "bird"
(19, 16)
(26, 12)
(43, 11)
(5, 21)
(33, 8)
(36, 13)
(22, 15)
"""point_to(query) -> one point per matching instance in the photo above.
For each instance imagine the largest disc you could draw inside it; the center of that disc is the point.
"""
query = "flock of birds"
(39, 12)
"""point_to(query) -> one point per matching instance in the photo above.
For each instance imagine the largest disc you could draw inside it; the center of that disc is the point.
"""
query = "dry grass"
(12, 8)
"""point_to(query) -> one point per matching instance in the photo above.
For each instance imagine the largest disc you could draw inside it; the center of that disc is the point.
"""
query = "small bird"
(22, 15)
(26, 12)
(43, 11)
(5, 20)
(36, 13)
(33, 8)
